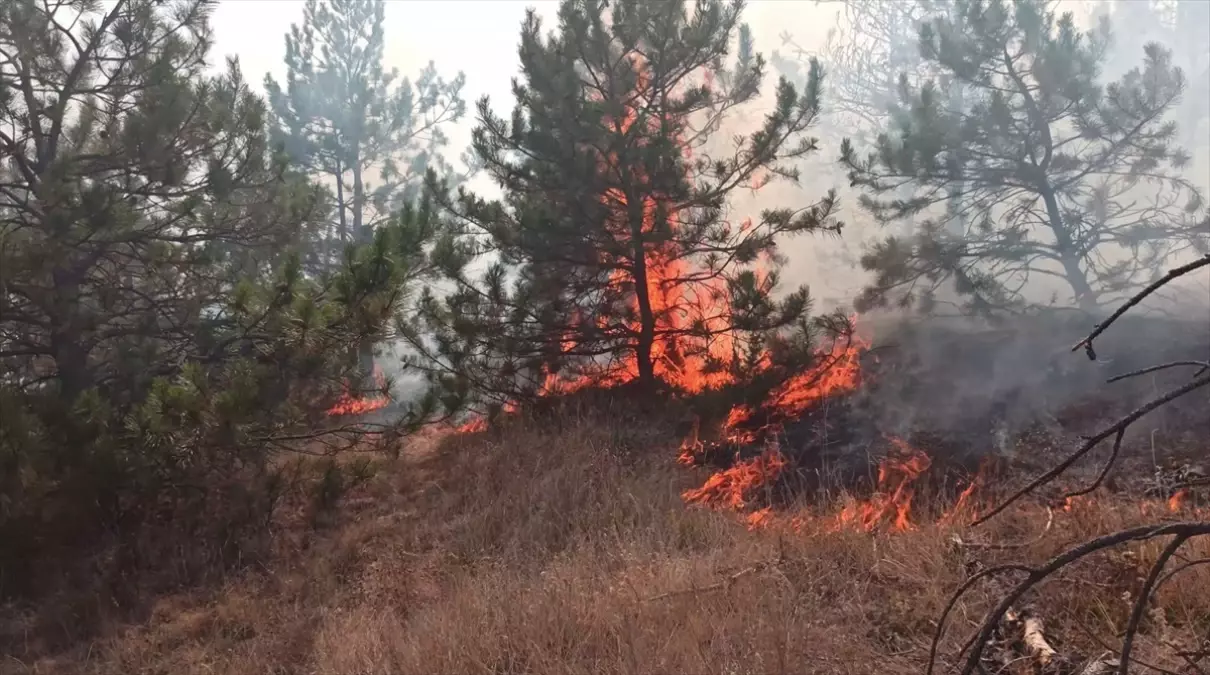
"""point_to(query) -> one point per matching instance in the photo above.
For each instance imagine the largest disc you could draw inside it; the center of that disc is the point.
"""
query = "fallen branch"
(1050, 520)
(1203, 365)
(1181, 533)
(726, 583)
(1034, 639)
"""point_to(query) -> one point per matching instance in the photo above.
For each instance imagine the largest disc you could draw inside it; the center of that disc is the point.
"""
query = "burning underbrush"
(947, 411)
(353, 403)
(813, 525)
(896, 414)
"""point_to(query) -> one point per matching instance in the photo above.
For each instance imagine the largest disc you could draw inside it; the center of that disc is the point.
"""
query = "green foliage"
(1043, 172)
(340, 115)
(158, 338)
(335, 480)
(1184, 28)
(612, 254)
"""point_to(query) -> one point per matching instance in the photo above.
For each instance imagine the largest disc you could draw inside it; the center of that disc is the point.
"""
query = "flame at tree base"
(357, 404)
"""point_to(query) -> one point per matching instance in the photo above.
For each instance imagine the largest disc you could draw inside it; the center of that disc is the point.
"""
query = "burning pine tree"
(611, 257)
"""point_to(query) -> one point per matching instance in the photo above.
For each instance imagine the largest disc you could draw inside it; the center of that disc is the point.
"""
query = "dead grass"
(567, 551)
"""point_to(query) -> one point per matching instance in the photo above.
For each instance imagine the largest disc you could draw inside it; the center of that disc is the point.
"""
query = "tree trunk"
(328, 249)
(642, 293)
(71, 358)
(1076, 277)
(343, 231)
(365, 350)
(956, 223)
(359, 229)
(71, 362)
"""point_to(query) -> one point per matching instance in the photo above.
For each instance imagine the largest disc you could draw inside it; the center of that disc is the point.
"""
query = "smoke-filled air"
(342, 337)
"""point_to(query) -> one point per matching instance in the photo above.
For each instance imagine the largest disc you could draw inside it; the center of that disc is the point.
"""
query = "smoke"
(830, 265)
(982, 387)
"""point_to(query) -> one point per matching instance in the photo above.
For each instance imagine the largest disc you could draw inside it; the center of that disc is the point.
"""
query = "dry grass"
(569, 551)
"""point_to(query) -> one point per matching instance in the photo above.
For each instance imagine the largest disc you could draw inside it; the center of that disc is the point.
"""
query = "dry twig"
(1180, 533)
(726, 583)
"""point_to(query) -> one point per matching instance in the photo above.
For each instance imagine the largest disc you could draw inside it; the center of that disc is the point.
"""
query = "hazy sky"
(478, 37)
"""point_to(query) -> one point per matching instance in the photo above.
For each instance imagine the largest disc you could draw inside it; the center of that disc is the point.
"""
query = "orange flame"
(680, 300)
(690, 305)
(1177, 500)
(735, 486)
(760, 519)
(965, 499)
(692, 445)
(1070, 503)
(836, 372)
(896, 477)
(350, 404)
(473, 425)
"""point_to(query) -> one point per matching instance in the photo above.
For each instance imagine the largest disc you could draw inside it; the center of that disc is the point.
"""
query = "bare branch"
(1172, 274)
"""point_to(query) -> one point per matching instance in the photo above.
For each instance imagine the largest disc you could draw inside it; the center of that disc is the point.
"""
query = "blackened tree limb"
(1113, 458)
(1174, 273)
(1144, 596)
(1203, 365)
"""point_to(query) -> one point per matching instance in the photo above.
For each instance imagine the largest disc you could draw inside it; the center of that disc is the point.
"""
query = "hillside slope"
(569, 550)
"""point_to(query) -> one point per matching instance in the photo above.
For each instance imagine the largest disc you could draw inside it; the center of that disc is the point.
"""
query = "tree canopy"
(613, 255)
(1051, 171)
(342, 115)
(156, 328)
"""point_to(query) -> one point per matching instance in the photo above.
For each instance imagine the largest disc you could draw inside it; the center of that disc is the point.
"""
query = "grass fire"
(883, 351)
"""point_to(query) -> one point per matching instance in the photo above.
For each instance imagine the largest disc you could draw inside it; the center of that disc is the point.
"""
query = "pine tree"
(156, 331)
(341, 115)
(612, 256)
(1054, 173)
(872, 44)
(1184, 27)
